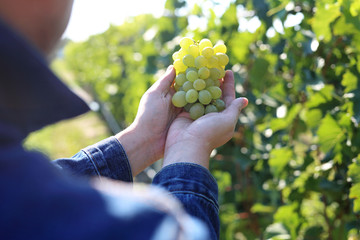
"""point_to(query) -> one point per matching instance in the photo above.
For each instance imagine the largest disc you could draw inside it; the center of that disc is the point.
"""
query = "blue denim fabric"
(106, 158)
(196, 188)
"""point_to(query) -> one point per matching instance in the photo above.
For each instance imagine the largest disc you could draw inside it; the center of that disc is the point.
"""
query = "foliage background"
(292, 170)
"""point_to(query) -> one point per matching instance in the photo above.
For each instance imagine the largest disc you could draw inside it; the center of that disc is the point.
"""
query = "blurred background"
(292, 170)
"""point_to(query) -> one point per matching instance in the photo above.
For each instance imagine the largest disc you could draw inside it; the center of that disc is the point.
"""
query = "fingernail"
(244, 102)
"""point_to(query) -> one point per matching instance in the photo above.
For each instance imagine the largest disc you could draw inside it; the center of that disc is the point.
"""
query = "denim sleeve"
(106, 158)
(196, 188)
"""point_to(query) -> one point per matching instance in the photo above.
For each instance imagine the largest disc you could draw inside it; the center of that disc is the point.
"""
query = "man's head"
(42, 22)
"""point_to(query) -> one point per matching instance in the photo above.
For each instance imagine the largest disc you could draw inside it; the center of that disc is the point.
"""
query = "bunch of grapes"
(199, 66)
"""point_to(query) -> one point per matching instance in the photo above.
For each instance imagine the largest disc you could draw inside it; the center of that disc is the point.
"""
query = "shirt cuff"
(110, 160)
(188, 178)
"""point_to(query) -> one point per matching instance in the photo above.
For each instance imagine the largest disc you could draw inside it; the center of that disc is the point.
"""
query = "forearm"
(196, 188)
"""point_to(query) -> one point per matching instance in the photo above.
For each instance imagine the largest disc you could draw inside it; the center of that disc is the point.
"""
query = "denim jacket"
(88, 196)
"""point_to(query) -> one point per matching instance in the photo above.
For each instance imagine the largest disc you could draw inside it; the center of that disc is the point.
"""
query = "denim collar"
(31, 96)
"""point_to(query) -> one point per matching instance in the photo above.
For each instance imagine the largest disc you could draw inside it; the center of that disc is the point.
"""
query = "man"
(60, 200)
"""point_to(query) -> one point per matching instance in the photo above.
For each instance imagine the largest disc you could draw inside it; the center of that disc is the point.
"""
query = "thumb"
(236, 106)
(165, 81)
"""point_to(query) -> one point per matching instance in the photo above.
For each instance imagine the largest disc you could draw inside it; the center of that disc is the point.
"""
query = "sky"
(90, 17)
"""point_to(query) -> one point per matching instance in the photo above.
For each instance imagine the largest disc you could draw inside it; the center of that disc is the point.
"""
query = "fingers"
(164, 83)
(229, 88)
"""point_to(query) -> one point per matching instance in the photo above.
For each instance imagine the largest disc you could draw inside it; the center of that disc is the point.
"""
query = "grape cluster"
(199, 68)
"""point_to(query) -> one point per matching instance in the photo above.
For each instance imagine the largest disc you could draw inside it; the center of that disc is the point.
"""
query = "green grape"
(210, 108)
(223, 58)
(179, 99)
(200, 62)
(175, 56)
(191, 96)
(189, 60)
(215, 92)
(209, 82)
(217, 83)
(222, 72)
(188, 106)
(219, 104)
(182, 53)
(187, 86)
(186, 42)
(191, 69)
(179, 65)
(220, 48)
(205, 43)
(204, 73)
(197, 110)
(180, 79)
(177, 87)
(199, 84)
(192, 76)
(214, 73)
(207, 52)
(213, 62)
(205, 97)
(194, 50)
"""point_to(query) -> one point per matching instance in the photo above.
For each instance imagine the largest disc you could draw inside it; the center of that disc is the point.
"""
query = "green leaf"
(329, 133)
(276, 231)
(326, 13)
(279, 158)
(349, 81)
(323, 96)
(354, 170)
(355, 194)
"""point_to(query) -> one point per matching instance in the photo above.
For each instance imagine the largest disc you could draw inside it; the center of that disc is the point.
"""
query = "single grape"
(204, 73)
(175, 55)
(205, 43)
(217, 83)
(188, 106)
(220, 104)
(187, 86)
(209, 82)
(205, 97)
(197, 110)
(200, 61)
(215, 92)
(177, 87)
(182, 53)
(179, 65)
(213, 62)
(207, 52)
(180, 79)
(214, 73)
(191, 96)
(220, 48)
(191, 69)
(186, 42)
(189, 60)
(192, 76)
(222, 72)
(223, 58)
(199, 84)
(179, 99)
(210, 108)
(194, 50)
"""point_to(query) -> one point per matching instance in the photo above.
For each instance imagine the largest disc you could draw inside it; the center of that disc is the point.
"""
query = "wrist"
(197, 153)
(138, 148)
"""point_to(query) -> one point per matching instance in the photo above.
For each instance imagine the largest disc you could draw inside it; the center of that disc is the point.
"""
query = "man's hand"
(193, 141)
(144, 139)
